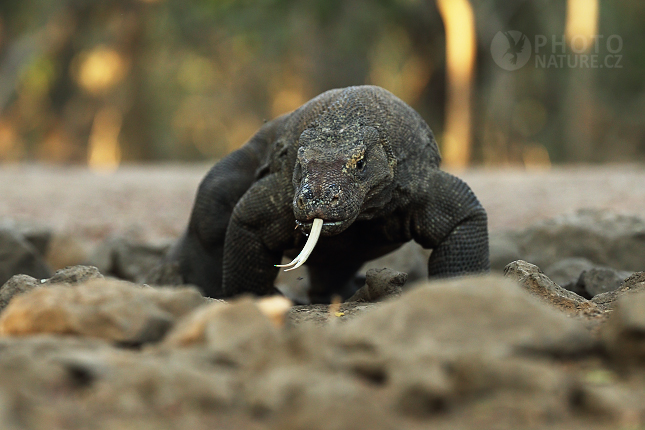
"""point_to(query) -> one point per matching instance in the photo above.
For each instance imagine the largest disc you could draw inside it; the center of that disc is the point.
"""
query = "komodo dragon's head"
(343, 172)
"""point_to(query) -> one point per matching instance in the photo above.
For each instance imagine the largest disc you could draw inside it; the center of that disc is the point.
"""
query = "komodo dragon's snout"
(339, 173)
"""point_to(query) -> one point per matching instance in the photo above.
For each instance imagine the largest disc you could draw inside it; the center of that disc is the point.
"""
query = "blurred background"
(101, 83)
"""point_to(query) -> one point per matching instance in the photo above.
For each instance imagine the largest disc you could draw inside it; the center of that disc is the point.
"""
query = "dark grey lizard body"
(360, 159)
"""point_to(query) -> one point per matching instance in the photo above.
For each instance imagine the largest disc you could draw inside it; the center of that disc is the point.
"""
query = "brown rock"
(22, 283)
(82, 381)
(469, 314)
(233, 333)
(624, 333)
(275, 308)
(445, 343)
(191, 329)
(66, 250)
(112, 310)
(530, 277)
(306, 399)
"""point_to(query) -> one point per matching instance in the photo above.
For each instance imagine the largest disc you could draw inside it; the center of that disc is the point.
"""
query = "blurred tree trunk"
(136, 135)
(579, 111)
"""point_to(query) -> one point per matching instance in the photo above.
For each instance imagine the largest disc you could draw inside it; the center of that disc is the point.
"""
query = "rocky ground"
(553, 338)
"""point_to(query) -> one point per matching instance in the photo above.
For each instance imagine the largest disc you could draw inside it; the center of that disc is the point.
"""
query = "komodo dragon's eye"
(360, 164)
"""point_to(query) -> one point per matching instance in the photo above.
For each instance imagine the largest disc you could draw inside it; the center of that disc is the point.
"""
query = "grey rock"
(600, 280)
(379, 285)
(601, 236)
(18, 284)
(566, 272)
(411, 258)
(74, 275)
(504, 249)
(634, 283)
(127, 259)
(19, 257)
(530, 277)
(37, 235)
(164, 273)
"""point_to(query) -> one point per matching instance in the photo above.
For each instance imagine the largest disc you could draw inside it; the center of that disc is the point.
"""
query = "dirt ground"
(154, 201)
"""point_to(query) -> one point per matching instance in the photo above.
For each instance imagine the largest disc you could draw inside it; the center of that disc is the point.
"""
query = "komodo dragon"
(363, 163)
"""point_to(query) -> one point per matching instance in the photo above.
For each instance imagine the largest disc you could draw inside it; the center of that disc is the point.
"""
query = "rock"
(600, 280)
(18, 284)
(503, 250)
(126, 259)
(191, 329)
(37, 235)
(608, 403)
(324, 314)
(81, 381)
(566, 272)
(19, 257)
(306, 399)
(164, 273)
(275, 308)
(634, 283)
(74, 275)
(468, 315)
(379, 285)
(410, 258)
(111, 310)
(624, 333)
(66, 250)
(234, 333)
(445, 343)
(530, 277)
(601, 236)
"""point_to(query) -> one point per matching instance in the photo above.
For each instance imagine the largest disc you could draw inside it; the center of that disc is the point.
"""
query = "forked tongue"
(316, 228)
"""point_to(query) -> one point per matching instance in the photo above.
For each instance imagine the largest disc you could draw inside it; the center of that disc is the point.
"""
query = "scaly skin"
(360, 159)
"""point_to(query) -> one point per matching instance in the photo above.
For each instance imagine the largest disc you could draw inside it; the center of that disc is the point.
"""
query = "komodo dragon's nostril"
(301, 202)
(335, 200)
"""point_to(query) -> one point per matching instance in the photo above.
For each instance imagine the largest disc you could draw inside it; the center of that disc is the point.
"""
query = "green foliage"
(193, 80)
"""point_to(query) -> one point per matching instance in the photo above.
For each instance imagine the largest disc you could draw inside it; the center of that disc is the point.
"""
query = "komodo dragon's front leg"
(260, 229)
(449, 219)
